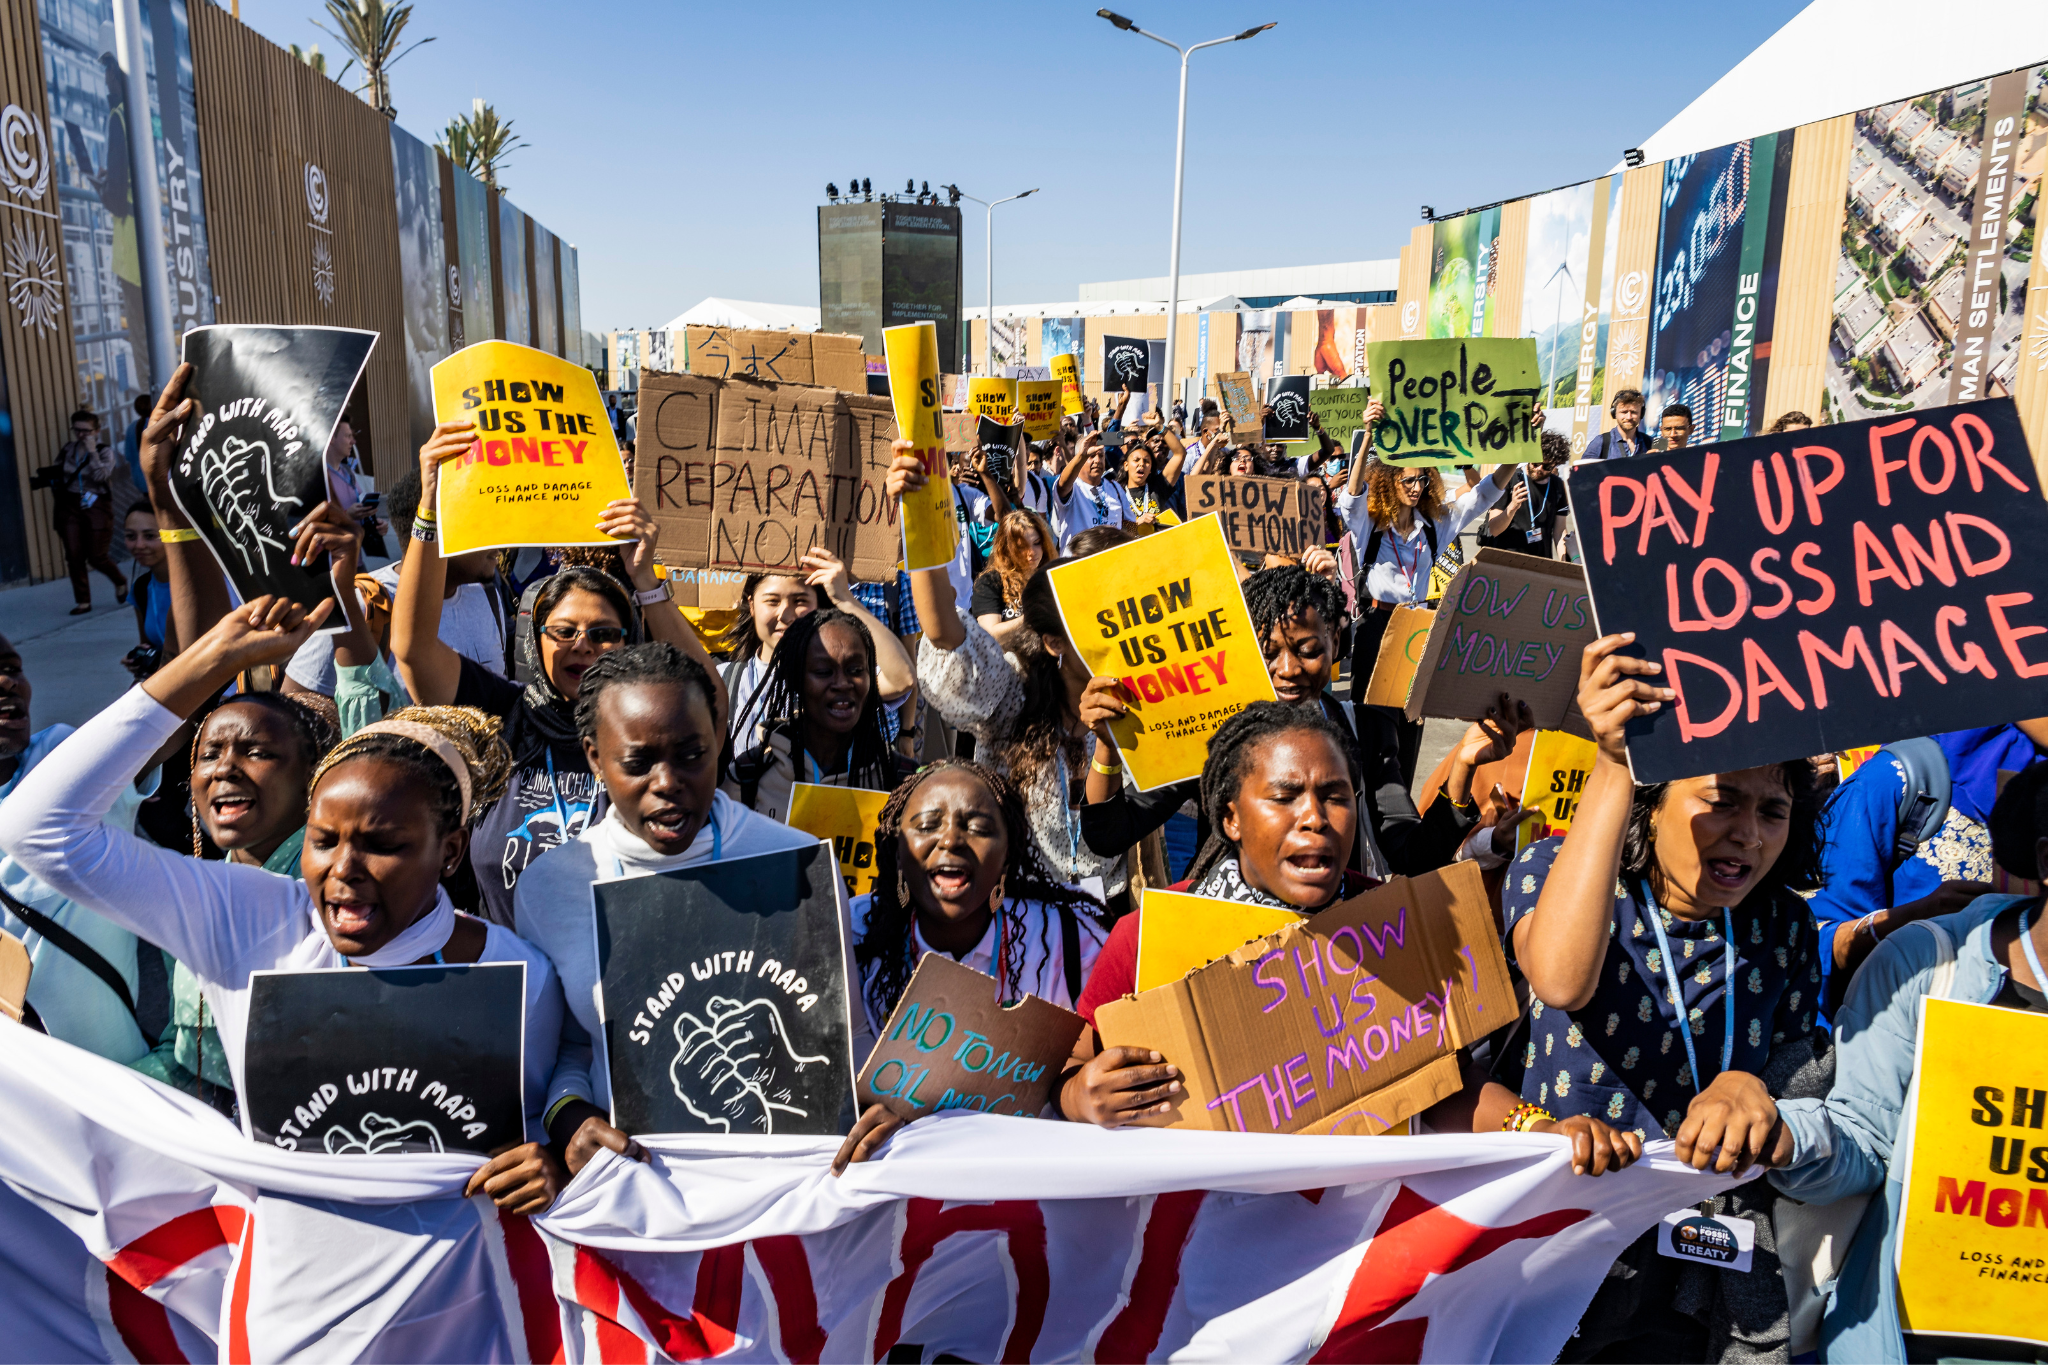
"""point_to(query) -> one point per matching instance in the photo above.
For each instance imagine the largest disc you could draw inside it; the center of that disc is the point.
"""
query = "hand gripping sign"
(928, 527)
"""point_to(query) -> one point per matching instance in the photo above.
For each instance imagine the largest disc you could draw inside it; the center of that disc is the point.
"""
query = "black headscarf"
(545, 718)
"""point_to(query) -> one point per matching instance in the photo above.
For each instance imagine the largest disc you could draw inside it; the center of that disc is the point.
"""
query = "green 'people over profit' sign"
(1456, 401)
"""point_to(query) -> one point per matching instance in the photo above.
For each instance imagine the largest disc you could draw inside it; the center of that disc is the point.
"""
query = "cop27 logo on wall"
(1632, 293)
(35, 277)
(323, 245)
(1411, 313)
(316, 194)
(24, 153)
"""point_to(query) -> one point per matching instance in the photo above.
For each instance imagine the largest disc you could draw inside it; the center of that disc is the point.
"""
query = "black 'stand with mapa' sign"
(724, 996)
(252, 465)
(364, 1060)
(1826, 588)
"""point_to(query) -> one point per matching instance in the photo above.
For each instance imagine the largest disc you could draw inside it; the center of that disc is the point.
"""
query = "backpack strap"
(1924, 796)
(1942, 979)
(1070, 950)
(78, 950)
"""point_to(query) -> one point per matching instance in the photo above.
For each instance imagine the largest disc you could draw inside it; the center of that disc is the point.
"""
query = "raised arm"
(629, 522)
(1355, 481)
(427, 665)
(1562, 944)
(1082, 450)
(931, 591)
(199, 591)
(894, 670)
(1176, 459)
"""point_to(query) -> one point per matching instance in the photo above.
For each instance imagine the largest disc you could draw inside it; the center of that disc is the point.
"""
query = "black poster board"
(1288, 399)
(362, 1060)
(1826, 588)
(1126, 364)
(998, 442)
(265, 401)
(724, 997)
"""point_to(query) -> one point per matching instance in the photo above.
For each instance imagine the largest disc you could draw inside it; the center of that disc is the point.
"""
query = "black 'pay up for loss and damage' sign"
(724, 996)
(366, 1060)
(1826, 588)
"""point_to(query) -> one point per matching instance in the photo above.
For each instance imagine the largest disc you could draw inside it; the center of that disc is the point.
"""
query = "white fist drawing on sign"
(237, 478)
(728, 1068)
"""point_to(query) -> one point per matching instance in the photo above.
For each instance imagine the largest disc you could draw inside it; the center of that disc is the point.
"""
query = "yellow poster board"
(928, 525)
(1039, 402)
(847, 816)
(544, 462)
(1179, 932)
(1067, 370)
(1847, 761)
(1166, 616)
(1559, 764)
(1973, 1237)
(995, 399)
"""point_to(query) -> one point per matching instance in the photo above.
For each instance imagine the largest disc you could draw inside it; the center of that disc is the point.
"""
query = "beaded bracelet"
(1525, 1116)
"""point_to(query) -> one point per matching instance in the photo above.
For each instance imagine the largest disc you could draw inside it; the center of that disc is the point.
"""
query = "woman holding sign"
(388, 817)
(1675, 972)
(1280, 790)
(1028, 722)
(648, 719)
(579, 615)
(1858, 1140)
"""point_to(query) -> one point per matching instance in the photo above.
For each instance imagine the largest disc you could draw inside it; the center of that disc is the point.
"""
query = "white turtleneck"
(552, 909)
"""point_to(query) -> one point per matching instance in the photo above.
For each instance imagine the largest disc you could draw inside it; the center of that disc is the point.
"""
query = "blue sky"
(684, 148)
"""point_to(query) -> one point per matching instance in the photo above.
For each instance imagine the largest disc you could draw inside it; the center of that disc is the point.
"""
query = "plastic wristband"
(660, 592)
(1097, 764)
(424, 514)
(548, 1119)
(177, 535)
(424, 530)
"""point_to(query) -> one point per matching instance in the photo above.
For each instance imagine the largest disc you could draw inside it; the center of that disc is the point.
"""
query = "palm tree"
(370, 31)
(312, 57)
(480, 142)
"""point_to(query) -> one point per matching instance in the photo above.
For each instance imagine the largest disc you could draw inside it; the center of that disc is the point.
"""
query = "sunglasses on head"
(603, 637)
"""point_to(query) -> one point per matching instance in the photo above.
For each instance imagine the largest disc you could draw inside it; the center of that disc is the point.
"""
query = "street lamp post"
(1180, 156)
(988, 259)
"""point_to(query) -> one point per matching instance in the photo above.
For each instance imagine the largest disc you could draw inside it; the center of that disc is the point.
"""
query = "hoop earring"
(995, 898)
(902, 889)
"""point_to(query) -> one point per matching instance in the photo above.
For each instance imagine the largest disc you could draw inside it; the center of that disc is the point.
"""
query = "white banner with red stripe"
(142, 1226)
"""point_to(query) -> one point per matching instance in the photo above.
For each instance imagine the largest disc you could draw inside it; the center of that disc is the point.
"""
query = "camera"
(46, 477)
(142, 661)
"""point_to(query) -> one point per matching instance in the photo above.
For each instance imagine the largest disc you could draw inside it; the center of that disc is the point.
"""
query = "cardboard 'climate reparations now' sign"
(1467, 401)
(265, 402)
(1973, 1232)
(1165, 616)
(1507, 623)
(1821, 589)
(1262, 516)
(1348, 1021)
(363, 1060)
(544, 463)
(951, 1044)
(742, 477)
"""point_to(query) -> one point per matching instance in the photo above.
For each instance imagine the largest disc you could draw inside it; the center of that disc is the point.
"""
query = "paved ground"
(73, 662)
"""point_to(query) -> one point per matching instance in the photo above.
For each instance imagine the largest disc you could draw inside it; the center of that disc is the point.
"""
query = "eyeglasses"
(1414, 481)
(601, 637)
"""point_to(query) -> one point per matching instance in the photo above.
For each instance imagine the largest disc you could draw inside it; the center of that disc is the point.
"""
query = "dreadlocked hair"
(1383, 499)
(888, 945)
(870, 761)
(1285, 593)
(476, 736)
(655, 662)
(1229, 763)
(311, 728)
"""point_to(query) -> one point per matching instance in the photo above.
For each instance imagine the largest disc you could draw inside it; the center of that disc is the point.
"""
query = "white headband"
(435, 743)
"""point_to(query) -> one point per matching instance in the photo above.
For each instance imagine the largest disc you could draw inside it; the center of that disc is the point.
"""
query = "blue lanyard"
(1073, 820)
(1678, 992)
(555, 790)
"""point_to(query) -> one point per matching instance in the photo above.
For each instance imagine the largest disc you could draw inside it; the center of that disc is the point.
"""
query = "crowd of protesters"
(492, 732)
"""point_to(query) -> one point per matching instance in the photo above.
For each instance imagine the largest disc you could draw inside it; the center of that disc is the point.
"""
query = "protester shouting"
(824, 700)
(648, 721)
(1024, 545)
(957, 872)
(1674, 968)
(387, 818)
(1854, 1142)
(1281, 794)
(1297, 616)
(1026, 723)
(579, 615)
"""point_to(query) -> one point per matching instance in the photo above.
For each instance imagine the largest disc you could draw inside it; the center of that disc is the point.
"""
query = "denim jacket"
(1843, 1145)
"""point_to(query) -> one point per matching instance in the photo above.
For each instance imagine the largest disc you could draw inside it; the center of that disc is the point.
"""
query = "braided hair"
(1285, 593)
(475, 735)
(310, 727)
(656, 662)
(1229, 762)
(870, 761)
(888, 944)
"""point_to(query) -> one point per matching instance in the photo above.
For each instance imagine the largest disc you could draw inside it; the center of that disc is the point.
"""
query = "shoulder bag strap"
(1070, 948)
(77, 949)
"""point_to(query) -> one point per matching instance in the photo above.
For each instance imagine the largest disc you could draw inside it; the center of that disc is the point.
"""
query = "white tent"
(715, 312)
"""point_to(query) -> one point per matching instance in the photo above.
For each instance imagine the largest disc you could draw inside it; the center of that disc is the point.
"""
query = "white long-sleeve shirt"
(553, 909)
(1399, 573)
(223, 920)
